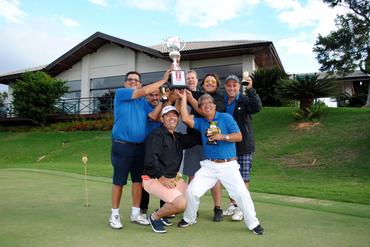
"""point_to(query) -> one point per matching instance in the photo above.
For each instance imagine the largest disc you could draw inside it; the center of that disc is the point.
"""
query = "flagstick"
(87, 197)
(84, 160)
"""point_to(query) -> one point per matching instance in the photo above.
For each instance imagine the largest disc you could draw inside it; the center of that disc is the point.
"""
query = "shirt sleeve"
(231, 125)
(124, 94)
(153, 151)
(197, 123)
(148, 108)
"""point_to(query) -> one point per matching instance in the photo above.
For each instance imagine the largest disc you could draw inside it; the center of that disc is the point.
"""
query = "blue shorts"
(245, 162)
(127, 158)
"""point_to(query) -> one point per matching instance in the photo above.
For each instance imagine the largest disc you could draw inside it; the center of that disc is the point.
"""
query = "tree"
(265, 81)
(35, 95)
(347, 48)
(307, 88)
(3, 97)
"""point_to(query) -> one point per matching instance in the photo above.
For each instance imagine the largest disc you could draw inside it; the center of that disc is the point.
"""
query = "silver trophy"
(173, 45)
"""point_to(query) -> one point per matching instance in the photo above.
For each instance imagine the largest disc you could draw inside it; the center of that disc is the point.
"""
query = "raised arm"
(186, 118)
(151, 87)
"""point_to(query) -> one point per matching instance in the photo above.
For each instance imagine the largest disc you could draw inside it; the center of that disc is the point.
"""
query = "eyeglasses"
(132, 80)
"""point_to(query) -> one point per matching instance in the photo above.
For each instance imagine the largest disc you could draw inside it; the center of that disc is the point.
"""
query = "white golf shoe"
(115, 221)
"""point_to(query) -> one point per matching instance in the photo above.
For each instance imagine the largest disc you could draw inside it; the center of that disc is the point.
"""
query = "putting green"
(46, 208)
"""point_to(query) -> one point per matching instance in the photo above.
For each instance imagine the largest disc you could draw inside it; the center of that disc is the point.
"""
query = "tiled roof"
(196, 45)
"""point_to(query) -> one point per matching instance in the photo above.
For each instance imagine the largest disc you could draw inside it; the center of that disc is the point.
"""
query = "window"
(101, 86)
(74, 90)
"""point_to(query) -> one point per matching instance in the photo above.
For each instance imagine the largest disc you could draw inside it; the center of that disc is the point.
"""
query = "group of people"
(148, 139)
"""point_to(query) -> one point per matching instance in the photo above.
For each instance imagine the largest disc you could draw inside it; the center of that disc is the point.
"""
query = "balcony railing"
(91, 105)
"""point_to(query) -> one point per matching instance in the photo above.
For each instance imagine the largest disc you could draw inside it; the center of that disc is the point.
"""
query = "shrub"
(35, 95)
(85, 125)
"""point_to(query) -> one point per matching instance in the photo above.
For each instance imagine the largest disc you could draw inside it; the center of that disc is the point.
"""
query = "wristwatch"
(227, 137)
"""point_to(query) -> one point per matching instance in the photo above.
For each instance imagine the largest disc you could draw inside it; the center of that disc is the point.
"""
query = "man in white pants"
(220, 164)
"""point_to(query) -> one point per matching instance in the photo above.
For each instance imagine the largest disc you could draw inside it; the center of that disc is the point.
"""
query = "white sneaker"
(141, 219)
(230, 211)
(115, 221)
(238, 215)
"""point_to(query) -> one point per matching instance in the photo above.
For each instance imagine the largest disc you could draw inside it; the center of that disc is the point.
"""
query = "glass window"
(107, 82)
(147, 78)
(74, 90)
(74, 85)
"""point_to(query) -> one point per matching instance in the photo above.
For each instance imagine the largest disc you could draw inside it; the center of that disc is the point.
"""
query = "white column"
(85, 85)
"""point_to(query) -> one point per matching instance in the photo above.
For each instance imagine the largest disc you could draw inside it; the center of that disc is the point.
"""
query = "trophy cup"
(212, 129)
(173, 45)
(245, 82)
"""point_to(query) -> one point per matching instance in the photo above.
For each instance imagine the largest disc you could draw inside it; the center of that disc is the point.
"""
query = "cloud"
(314, 14)
(151, 5)
(209, 13)
(99, 2)
(300, 44)
(45, 43)
(69, 22)
(10, 11)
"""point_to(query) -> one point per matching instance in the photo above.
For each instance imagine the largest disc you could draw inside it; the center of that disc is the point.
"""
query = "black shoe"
(258, 230)
(157, 225)
(218, 214)
(166, 221)
(183, 224)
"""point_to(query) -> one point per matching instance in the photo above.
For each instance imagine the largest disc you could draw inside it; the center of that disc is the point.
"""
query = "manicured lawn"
(46, 208)
(328, 161)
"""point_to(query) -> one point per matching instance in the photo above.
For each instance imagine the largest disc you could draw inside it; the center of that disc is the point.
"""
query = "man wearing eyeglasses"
(131, 114)
(220, 162)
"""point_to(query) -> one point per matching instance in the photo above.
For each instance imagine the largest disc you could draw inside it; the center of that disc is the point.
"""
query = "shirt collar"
(227, 98)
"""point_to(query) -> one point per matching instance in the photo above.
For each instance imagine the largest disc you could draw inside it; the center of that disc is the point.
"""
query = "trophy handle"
(183, 45)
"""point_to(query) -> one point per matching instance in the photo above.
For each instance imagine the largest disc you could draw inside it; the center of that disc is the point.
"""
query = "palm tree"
(265, 81)
(307, 88)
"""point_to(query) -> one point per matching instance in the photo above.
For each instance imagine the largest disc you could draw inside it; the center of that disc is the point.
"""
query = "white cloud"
(314, 13)
(282, 4)
(10, 11)
(300, 44)
(44, 43)
(69, 22)
(151, 5)
(209, 13)
(99, 2)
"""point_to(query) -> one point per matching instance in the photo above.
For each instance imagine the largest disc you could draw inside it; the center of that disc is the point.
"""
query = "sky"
(36, 32)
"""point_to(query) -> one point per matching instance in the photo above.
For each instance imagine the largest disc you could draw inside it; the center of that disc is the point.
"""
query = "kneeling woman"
(163, 155)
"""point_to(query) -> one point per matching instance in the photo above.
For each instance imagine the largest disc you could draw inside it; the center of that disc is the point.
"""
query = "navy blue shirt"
(227, 124)
(130, 116)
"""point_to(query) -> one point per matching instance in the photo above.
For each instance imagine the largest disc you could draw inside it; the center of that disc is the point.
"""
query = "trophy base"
(178, 79)
(178, 87)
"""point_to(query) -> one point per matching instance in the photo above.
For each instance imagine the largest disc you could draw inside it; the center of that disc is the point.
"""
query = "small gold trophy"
(212, 129)
(178, 177)
(164, 97)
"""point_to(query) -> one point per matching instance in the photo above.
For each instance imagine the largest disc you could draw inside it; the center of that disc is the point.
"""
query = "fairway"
(46, 208)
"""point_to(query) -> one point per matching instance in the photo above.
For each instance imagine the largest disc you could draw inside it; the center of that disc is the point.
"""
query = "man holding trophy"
(220, 164)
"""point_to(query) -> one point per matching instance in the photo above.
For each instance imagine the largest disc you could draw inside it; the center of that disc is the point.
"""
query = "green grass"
(46, 208)
(330, 161)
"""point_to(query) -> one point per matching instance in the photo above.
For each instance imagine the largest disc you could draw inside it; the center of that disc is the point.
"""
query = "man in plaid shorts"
(241, 107)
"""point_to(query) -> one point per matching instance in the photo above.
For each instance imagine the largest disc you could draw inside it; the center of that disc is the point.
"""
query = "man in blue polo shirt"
(131, 112)
(220, 163)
